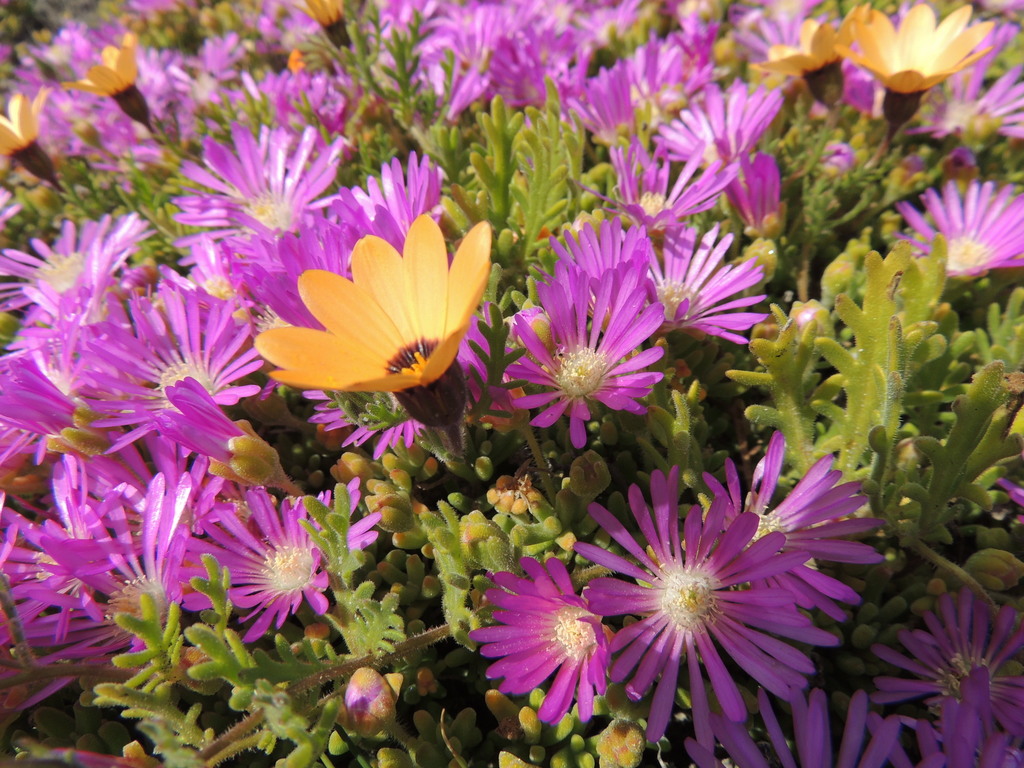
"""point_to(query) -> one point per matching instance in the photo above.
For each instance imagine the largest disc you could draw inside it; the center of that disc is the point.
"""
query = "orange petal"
(907, 81)
(126, 66)
(467, 278)
(426, 278)
(443, 356)
(957, 51)
(314, 359)
(349, 312)
(951, 27)
(378, 270)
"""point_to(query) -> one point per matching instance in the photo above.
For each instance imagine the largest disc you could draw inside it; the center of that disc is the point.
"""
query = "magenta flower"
(545, 626)
(959, 639)
(258, 186)
(755, 196)
(969, 106)
(812, 737)
(273, 564)
(698, 593)
(159, 341)
(82, 257)
(387, 208)
(811, 518)
(722, 128)
(584, 364)
(696, 287)
(643, 193)
(984, 229)
(599, 250)
(197, 422)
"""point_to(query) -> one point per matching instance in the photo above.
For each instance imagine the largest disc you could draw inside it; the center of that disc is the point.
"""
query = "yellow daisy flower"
(816, 51)
(117, 73)
(394, 327)
(21, 126)
(115, 78)
(18, 134)
(329, 14)
(919, 54)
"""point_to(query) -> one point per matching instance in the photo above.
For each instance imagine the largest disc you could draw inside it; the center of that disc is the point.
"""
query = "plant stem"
(538, 459)
(953, 569)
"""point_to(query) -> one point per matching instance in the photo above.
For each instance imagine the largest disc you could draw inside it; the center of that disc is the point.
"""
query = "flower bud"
(995, 569)
(369, 702)
(621, 745)
(589, 476)
(485, 543)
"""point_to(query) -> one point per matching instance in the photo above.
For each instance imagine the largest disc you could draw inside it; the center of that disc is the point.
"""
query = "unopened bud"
(589, 476)
(485, 543)
(995, 569)
(621, 745)
(369, 702)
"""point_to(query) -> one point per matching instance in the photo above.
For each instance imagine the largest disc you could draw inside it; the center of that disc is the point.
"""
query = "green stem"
(539, 460)
(222, 743)
(953, 569)
(235, 747)
(56, 671)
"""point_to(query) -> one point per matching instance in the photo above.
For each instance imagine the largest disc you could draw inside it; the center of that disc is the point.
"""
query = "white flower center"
(672, 294)
(576, 637)
(688, 599)
(768, 523)
(62, 272)
(127, 598)
(288, 569)
(270, 211)
(966, 253)
(581, 372)
(652, 203)
(958, 115)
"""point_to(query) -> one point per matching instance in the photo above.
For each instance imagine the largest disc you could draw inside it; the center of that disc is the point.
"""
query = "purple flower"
(258, 186)
(643, 193)
(388, 207)
(695, 286)
(969, 107)
(755, 195)
(984, 229)
(697, 593)
(197, 421)
(273, 564)
(161, 340)
(812, 737)
(722, 128)
(958, 640)
(545, 626)
(599, 250)
(810, 517)
(586, 365)
(966, 736)
(83, 257)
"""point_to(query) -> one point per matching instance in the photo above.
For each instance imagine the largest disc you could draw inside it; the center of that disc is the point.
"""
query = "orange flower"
(394, 327)
(919, 54)
(21, 126)
(116, 74)
(18, 134)
(115, 78)
(817, 49)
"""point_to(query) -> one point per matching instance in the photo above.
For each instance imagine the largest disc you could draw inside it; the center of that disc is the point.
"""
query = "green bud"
(621, 745)
(88, 442)
(589, 476)
(483, 467)
(995, 538)
(765, 252)
(485, 543)
(393, 758)
(352, 465)
(530, 724)
(9, 326)
(508, 760)
(863, 636)
(369, 702)
(995, 569)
